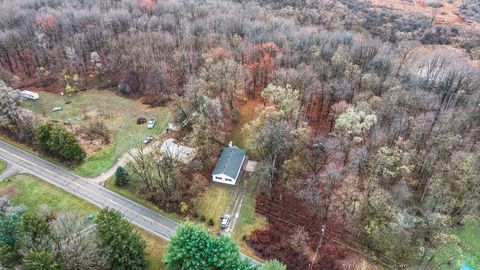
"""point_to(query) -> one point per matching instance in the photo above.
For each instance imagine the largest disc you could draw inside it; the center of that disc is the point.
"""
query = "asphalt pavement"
(90, 191)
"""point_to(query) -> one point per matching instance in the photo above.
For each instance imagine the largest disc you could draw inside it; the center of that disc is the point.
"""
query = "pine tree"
(193, 247)
(40, 260)
(121, 176)
(125, 246)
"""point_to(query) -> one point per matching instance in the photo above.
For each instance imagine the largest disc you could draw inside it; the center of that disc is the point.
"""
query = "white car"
(151, 123)
(225, 221)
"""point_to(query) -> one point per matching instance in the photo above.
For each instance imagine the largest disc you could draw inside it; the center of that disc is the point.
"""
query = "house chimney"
(230, 144)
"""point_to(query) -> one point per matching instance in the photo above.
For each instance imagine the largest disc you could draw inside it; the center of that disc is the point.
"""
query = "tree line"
(46, 240)
(366, 125)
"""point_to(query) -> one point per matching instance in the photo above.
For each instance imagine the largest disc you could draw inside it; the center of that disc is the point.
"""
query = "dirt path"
(122, 161)
(235, 210)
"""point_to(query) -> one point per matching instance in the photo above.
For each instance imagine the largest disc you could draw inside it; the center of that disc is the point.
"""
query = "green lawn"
(3, 165)
(215, 202)
(467, 250)
(249, 220)
(119, 115)
(32, 192)
(156, 248)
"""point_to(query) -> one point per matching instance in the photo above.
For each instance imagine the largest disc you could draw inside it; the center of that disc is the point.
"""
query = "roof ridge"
(230, 158)
(228, 161)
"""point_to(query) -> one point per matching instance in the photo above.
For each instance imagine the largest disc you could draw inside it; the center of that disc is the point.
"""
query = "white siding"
(224, 179)
(30, 95)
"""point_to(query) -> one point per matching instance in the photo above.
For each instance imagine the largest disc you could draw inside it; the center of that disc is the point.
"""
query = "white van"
(30, 95)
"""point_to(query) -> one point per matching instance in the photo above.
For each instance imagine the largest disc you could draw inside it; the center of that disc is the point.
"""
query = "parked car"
(151, 123)
(225, 221)
(148, 139)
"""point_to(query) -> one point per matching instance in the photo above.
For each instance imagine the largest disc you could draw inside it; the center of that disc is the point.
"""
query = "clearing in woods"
(441, 11)
(117, 113)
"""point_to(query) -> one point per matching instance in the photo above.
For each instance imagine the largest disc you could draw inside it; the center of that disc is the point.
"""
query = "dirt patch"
(90, 146)
(9, 191)
(317, 115)
(249, 109)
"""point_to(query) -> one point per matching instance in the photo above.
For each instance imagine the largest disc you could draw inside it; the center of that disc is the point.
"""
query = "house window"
(229, 179)
(218, 178)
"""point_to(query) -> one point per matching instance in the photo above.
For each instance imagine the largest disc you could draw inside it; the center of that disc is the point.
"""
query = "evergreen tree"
(193, 247)
(58, 141)
(125, 246)
(121, 176)
(40, 260)
(10, 238)
(35, 227)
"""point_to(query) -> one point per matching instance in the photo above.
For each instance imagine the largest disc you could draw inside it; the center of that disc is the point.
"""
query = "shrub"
(121, 176)
(203, 218)
(58, 141)
(183, 208)
(195, 215)
(211, 222)
(99, 129)
(141, 120)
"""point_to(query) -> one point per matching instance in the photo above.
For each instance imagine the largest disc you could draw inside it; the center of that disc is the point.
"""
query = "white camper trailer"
(30, 95)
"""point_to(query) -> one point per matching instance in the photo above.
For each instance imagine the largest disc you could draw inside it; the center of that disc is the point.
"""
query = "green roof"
(230, 162)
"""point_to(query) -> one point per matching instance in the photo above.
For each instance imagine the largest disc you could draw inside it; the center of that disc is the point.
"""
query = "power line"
(318, 247)
(361, 253)
(355, 241)
(345, 233)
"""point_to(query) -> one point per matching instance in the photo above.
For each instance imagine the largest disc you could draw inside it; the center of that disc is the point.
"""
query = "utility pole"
(318, 247)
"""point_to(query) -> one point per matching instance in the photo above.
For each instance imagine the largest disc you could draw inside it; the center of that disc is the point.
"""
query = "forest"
(367, 124)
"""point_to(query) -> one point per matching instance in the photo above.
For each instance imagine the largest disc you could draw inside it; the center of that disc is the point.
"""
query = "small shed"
(228, 167)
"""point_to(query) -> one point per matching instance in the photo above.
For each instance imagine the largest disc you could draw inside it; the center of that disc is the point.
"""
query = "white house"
(177, 151)
(30, 95)
(229, 165)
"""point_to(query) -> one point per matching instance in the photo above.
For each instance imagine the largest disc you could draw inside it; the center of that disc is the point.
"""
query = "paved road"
(89, 191)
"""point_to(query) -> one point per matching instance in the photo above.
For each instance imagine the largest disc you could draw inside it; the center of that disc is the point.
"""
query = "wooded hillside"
(370, 122)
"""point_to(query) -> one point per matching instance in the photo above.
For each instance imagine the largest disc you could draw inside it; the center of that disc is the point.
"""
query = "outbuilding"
(177, 151)
(229, 165)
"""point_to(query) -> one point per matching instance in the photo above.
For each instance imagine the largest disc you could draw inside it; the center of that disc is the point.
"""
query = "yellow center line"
(89, 190)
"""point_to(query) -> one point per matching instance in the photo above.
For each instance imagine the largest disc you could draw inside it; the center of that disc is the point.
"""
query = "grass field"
(467, 250)
(32, 192)
(215, 202)
(3, 165)
(156, 248)
(249, 220)
(119, 115)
